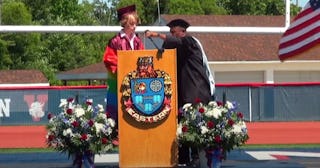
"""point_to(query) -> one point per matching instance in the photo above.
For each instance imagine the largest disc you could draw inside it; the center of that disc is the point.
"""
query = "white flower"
(236, 128)
(99, 127)
(213, 103)
(79, 111)
(229, 105)
(204, 129)
(102, 115)
(227, 134)
(109, 130)
(111, 122)
(216, 113)
(239, 127)
(186, 106)
(100, 108)
(179, 129)
(67, 132)
(63, 102)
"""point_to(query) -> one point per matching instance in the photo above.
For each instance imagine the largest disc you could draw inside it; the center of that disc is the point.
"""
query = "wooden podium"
(147, 140)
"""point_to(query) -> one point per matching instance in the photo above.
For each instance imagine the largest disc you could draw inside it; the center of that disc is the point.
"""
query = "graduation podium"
(147, 108)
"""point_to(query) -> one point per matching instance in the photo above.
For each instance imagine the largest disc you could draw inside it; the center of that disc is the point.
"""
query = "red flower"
(51, 137)
(49, 116)
(230, 122)
(219, 103)
(240, 115)
(70, 99)
(69, 111)
(201, 110)
(88, 102)
(108, 114)
(210, 124)
(84, 137)
(115, 142)
(184, 128)
(104, 140)
(90, 122)
(75, 124)
(217, 138)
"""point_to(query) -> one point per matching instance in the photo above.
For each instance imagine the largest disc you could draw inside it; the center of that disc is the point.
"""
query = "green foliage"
(151, 11)
(255, 7)
(210, 7)
(15, 13)
(187, 7)
(4, 55)
(67, 48)
(102, 12)
(42, 15)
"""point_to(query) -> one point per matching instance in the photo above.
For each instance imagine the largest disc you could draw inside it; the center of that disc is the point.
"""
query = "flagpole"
(159, 10)
(287, 22)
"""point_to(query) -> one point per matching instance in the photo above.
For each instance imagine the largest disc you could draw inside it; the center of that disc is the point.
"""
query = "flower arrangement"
(80, 129)
(212, 126)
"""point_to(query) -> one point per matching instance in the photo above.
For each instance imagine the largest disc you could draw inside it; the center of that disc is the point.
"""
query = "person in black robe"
(195, 80)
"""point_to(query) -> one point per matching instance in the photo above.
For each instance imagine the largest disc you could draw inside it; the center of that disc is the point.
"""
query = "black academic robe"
(193, 83)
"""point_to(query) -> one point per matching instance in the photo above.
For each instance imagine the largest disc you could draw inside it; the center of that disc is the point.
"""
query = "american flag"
(303, 33)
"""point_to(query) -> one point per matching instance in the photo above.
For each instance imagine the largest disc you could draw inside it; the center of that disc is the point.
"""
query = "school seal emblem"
(146, 93)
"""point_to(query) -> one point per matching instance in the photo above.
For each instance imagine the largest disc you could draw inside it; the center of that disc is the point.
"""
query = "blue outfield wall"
(275, 102)
(30, 106)
(257, 101)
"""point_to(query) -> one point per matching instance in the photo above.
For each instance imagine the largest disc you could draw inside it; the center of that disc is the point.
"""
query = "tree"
(15, 13)
(18, 46)
(102, 12)
(4, 55)
(256, 7)
(211, 7)
(40, 16)
(188, 7)
(52, 10)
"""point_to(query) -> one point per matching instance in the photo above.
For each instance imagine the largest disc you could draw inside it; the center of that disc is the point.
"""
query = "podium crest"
(146, 93)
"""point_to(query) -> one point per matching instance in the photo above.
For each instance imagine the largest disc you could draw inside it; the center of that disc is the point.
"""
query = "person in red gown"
(126, 39)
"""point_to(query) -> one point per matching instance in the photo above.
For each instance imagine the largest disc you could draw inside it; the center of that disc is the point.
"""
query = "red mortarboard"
(126, 10)
(178, 22)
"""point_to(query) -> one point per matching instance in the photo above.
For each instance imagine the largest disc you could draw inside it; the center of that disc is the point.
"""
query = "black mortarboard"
(125, 10)
(178, 22)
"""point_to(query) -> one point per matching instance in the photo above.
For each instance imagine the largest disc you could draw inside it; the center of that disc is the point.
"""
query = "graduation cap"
(178, 22)
(126, 10)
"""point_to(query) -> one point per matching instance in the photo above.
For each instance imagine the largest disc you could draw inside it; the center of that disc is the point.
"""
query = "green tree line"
(56, 52)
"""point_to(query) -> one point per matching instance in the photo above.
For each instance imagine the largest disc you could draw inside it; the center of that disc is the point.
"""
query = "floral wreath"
(128, 105)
